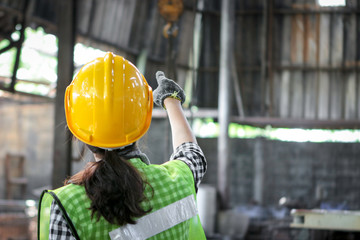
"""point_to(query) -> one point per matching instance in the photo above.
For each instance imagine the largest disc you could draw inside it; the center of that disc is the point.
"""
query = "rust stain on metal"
(303, 38)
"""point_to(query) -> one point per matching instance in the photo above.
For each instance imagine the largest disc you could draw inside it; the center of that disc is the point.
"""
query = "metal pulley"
(170, 10)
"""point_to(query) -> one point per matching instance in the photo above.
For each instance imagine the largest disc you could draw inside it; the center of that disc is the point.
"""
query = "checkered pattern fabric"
(191, 154)
(60, 229)
(170, 181)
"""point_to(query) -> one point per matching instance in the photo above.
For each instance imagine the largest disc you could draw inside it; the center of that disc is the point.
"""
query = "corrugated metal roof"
(299, 62)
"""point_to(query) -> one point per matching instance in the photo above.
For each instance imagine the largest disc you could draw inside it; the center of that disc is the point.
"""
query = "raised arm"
(180, 129)
(170, 96)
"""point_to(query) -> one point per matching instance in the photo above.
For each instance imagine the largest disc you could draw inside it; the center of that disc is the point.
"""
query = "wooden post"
(226, 50)
(62, 137)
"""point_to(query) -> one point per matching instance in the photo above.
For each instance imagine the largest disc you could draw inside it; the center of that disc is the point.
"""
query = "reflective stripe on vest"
(158, 221)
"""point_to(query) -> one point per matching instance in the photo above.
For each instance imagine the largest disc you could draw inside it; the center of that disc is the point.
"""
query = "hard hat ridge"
(109, 103)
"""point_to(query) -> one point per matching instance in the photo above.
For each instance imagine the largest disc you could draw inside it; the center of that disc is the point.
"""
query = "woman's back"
(120, 195)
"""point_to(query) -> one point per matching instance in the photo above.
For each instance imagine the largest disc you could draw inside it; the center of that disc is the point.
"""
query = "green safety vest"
(173, 216)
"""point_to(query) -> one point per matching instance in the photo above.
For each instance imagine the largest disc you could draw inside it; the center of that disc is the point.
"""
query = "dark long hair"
(114, 186)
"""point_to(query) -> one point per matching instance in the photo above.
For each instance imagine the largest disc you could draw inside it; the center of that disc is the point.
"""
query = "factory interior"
(272, 96)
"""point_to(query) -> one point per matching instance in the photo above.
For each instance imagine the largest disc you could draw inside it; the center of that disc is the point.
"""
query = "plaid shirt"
(190, 153)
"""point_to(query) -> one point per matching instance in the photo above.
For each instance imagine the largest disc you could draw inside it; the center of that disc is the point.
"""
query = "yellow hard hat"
(109, 103)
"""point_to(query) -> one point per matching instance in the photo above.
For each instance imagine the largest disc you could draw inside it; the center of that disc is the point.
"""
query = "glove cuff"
(174, 95)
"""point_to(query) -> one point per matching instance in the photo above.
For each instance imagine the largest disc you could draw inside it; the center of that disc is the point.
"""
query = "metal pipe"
(226, 50)
(297, 122)
(276, 68)
(281, 11)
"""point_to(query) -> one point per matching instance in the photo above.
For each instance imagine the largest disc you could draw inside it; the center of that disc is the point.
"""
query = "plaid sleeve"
(191, 154)
(59, 229)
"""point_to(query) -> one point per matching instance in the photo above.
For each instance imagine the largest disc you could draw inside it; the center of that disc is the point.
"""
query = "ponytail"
(115, 188)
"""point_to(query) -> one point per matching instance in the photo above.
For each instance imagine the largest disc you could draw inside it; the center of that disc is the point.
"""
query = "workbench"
(326, 219)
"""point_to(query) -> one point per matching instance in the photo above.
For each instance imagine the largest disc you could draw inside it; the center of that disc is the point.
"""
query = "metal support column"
(226, 51)
(18, 46)
(62, 136)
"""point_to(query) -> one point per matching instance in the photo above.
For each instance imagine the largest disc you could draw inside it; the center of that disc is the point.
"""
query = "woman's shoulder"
(70, 191)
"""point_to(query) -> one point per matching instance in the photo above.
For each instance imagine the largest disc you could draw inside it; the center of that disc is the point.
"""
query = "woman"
(121, 195)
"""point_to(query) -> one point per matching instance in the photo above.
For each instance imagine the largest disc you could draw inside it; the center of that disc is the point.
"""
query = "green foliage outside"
(210, 129)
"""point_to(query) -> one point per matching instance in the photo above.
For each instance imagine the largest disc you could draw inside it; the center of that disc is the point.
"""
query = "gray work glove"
(167, 88)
